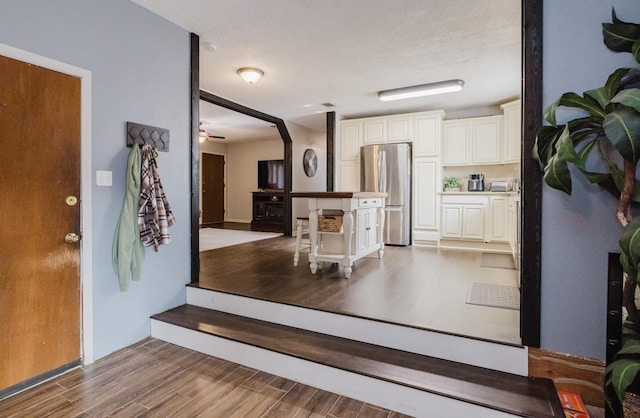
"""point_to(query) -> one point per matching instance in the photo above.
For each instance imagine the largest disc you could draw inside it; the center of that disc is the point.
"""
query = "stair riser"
(366, 389)
(502, 357)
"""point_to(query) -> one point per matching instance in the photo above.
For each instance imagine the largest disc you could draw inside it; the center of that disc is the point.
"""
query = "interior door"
(212, 188)
(39, 202)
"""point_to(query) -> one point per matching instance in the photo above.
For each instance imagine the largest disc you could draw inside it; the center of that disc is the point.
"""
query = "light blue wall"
(140, 72)
(578, 231)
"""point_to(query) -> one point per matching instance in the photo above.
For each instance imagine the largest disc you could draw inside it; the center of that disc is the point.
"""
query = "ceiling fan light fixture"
(250, 75)
(440, 87)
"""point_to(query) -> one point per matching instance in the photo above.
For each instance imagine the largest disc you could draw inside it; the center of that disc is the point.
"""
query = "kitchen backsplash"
(503, 172)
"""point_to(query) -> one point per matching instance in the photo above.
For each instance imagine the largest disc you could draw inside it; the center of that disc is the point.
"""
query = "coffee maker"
(476, 183)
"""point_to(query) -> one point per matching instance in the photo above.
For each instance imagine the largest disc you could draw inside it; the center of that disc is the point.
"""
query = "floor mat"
(498, 261)
(497, 296)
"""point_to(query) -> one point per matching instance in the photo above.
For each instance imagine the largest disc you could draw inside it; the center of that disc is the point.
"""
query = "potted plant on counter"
(607, 130)
(451, 184)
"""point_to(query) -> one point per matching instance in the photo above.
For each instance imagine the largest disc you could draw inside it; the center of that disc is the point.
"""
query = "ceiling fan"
(204, 136)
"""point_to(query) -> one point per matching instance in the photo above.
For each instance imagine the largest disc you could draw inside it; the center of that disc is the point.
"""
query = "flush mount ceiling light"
(421, 90)
(250, 75)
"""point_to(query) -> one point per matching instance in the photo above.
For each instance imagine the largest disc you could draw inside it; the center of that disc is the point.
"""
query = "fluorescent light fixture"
(250, 75)
(421, 90)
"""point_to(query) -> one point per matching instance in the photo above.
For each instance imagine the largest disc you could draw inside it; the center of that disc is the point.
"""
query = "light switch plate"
(103, 178)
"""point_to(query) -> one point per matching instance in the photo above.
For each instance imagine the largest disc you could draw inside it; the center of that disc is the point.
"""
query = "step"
(504, 357)
(406, 382)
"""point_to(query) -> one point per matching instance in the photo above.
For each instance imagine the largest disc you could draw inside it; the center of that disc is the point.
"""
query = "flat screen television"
(271, 175)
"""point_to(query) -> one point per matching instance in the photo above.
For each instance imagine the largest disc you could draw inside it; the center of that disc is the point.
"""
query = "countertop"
(338, 195)
(485, 193)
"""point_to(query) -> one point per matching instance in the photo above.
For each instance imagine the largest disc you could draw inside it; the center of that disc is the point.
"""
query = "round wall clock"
(310, 162)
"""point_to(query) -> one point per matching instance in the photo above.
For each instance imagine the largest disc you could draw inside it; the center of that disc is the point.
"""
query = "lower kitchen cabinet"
(464, 217)
(500, 218)
(426, 185)
(366, 229)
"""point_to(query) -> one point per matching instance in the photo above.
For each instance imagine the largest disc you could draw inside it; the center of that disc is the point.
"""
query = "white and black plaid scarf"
(154, 214)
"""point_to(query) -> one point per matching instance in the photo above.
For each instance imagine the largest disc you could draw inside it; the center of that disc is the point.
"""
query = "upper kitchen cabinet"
(421, 128)
(512, 131)
(350, 140)
(427, 133)
(375, 130)
(473, 141)
(348, 155)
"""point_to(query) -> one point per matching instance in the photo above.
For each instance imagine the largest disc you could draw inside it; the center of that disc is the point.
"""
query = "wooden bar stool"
(302, 229)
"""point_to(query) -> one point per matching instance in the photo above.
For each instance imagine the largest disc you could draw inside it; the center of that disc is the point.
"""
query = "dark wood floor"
(158, 379)
(419, 287)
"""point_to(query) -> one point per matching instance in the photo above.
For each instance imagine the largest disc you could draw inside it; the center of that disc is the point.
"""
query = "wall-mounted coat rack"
(145, 134)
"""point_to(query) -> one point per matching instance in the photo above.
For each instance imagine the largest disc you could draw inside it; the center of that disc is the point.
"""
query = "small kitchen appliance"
(476, 183)
(499, 186)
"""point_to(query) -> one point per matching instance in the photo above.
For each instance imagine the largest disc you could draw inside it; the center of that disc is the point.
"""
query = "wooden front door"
(212, 188)
(39, 270)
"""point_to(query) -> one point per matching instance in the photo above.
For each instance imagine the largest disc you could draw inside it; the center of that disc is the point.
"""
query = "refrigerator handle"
(382, 169)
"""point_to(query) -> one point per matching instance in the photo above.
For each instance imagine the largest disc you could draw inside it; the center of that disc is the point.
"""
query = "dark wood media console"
(268, 211)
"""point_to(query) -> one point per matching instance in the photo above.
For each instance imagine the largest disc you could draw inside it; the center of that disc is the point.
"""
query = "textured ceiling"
(344, 51)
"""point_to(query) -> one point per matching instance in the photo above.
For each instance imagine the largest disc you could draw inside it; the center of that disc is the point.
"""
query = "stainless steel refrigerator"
(387, 168)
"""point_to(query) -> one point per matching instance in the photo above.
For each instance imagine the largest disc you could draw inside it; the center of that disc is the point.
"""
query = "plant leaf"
(629, 98)
(622, 127)
(619, 36)
(635, 50)
(630, 244)
(630, 347)
(557, 175)
(601, 95)
(544, 147)
(623, 372)
(565, 149)
(586, 103)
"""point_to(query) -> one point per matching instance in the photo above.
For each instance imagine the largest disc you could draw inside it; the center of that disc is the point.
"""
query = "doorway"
(213, 189)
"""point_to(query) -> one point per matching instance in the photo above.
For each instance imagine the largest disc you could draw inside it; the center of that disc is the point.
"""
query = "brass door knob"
(72, 238)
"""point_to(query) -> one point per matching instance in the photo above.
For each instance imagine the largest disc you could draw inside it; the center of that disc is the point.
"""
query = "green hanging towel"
(127, 251)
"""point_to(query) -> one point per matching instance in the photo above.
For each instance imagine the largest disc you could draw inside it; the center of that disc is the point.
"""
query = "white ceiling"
(344, 51)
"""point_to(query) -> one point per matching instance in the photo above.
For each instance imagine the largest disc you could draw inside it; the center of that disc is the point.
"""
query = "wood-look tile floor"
(415, 286)
(158, 379)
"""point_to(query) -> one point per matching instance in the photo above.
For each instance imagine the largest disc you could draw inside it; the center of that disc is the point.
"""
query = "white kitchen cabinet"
(473, 222)
(473, 141)
(485, 140)
(514, 207)
(400, 128)
(427, 134)
(348, 152)
(425, 193)
(512, 135)
(375, 130)
(349, 176)
(366, 228)
(455, 142)
(350, 140)
(451, 221)
(464, 217)
(500, 218)
(463, 221)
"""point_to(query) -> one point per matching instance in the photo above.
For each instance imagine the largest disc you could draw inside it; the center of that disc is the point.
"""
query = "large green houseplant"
(605, 135)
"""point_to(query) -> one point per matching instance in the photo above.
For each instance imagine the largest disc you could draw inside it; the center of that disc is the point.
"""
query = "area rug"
(498, 261)
(212, 238)
(496, 296)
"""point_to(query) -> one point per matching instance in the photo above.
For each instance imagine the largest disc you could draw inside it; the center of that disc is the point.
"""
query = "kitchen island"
(362, 227)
